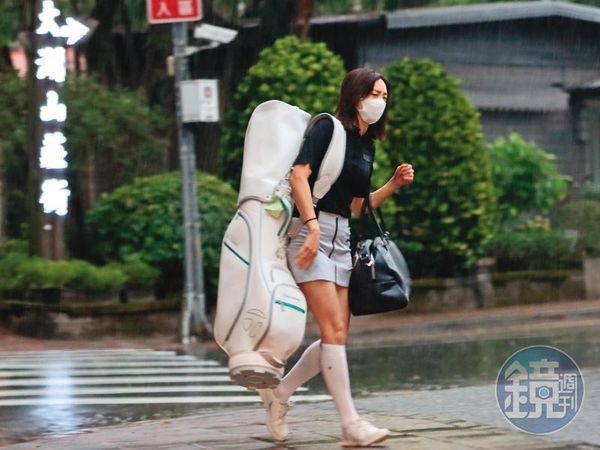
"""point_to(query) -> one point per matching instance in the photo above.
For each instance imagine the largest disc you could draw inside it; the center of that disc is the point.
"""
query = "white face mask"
(371, 109)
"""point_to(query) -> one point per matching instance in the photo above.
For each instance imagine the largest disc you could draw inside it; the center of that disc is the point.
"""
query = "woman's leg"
(306, 368)
(276, 400)
(309, 364)
(356, 431)
(331, 312)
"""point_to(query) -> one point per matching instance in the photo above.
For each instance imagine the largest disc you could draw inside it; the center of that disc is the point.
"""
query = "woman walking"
(319, 255)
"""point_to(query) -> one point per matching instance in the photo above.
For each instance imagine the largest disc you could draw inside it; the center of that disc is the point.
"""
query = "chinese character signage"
(166, 11)
(539, 389)
(51, 71)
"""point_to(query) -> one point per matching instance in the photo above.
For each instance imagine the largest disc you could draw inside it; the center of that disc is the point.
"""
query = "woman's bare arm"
(303, 199)
(403, 175)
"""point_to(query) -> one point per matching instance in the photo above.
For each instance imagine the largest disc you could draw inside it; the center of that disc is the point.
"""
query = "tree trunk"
(27, 19)
(303, 12)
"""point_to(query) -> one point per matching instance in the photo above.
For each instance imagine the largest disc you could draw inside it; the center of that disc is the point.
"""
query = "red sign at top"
(166, 11)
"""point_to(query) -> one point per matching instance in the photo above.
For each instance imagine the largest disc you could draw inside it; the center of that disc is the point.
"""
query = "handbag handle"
(366, 205)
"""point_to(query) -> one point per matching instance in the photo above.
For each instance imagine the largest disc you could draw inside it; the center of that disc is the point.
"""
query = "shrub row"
(20, 274)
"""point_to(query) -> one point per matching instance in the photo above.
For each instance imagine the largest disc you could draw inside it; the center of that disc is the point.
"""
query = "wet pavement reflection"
(414, 367)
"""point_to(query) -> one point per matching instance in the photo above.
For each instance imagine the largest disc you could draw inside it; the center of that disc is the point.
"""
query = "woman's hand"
(403, 175)
(307, 253)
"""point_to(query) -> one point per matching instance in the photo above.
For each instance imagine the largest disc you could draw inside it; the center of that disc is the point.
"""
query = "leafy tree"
(525, 177)
(144, 218)
(446, 215)
(299, 72)
(108, 144)
(13, 158)
(117, 139)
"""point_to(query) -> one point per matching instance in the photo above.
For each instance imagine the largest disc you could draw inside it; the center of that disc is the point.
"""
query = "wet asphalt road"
(81, 390)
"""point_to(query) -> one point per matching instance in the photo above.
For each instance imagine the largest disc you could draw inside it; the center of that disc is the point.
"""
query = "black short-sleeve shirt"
(355, 178)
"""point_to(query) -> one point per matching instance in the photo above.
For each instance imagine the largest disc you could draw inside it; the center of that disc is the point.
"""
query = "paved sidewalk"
(314, 427)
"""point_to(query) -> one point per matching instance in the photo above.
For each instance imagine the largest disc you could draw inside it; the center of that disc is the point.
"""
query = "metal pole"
(193, 307)
(200, 324)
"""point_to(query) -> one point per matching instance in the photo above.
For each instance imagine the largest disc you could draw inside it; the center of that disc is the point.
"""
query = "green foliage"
(556, 275)
(21, 273)
(446, 215)
(301, 73)
(144, 218)
(120, 138)
(123, 137)
(582, 219)
(137, 272)
(10, 266)
(8, 23)
(13, 109)
(40, 273)
(533, 249)
(13, 158)
(525, 177)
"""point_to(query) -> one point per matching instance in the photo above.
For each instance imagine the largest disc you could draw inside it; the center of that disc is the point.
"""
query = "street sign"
(167, 11)
(200, 100)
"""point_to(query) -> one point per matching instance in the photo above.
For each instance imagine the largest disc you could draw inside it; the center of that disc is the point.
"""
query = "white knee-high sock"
(307, 367)
(334, 366)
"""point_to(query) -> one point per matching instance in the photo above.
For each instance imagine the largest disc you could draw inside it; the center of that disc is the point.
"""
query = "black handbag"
(380, 280)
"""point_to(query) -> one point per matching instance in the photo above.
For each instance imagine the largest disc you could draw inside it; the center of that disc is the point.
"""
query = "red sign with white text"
(167, 11)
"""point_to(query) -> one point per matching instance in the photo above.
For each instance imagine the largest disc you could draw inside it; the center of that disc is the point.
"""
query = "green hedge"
(20, 273)
(533, 249)
(531, 275)
(526, 178)
(581, 218)
(144, 219)
(302, 73)
(445, 217)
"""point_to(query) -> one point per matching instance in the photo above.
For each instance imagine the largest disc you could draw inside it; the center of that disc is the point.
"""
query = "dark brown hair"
(356, 86)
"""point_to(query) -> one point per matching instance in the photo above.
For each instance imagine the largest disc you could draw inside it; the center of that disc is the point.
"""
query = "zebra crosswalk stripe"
(119, 377)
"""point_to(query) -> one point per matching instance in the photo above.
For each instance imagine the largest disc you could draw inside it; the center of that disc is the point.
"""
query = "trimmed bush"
(302, 73)
(20, 274)
(526, 179)
(446, 215)
(137, 272)
(144, 218)
(583, 219)
(533, 249)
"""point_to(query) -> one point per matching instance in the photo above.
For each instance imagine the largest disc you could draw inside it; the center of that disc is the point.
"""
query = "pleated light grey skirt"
(333, 261)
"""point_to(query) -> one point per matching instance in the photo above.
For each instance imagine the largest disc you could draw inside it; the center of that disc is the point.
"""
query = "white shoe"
(361, 433)
(276, 412)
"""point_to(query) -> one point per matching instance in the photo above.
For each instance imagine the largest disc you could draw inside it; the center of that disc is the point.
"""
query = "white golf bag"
(261, 312)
